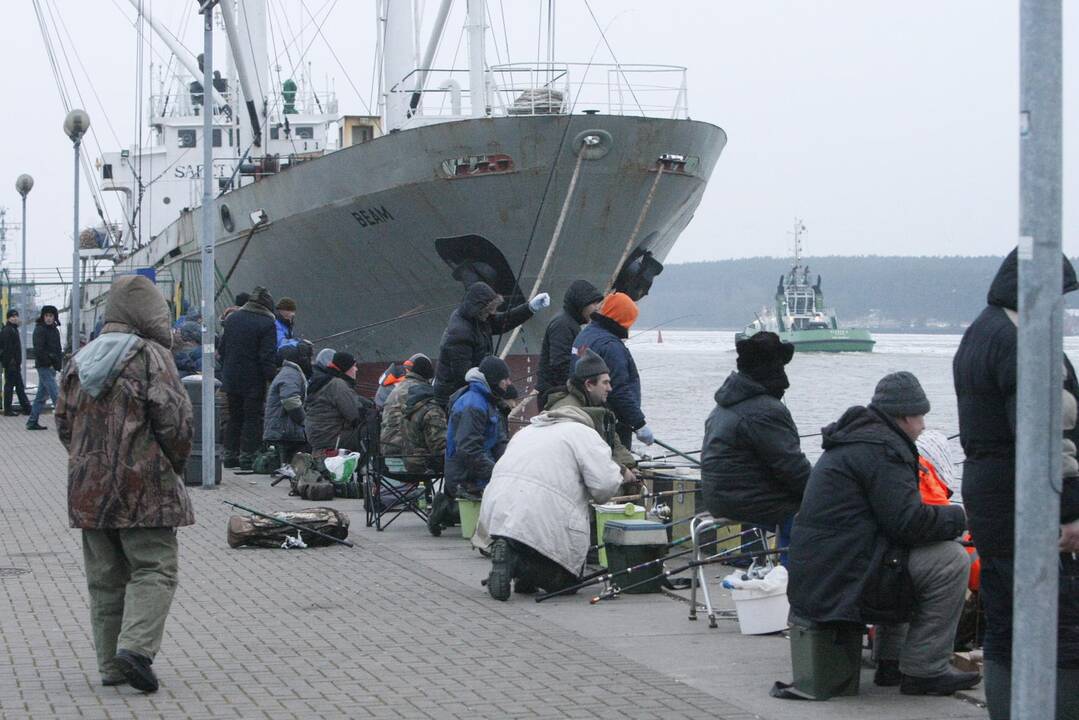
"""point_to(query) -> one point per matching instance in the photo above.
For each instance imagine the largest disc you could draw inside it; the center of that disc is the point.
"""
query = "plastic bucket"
(469, 511)
(628, 511)
(761, 613)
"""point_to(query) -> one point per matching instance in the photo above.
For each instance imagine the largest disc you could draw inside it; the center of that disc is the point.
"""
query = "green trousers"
(131, 575)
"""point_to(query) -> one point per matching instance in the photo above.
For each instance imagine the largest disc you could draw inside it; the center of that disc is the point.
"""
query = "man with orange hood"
(606, 336)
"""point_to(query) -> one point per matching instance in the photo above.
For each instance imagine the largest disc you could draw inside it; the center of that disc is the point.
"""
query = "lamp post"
(76, 124)
(209, 319)
(23, 184)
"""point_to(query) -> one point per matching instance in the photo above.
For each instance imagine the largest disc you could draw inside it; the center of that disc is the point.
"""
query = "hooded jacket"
(248, 347)
(467, 339)
(603, 420)
(287, 393)
(752, 466)
(984, 370)
(606, 338)
(125, 419)
(861, 499)
(475, 435)
(332, 408)
(392, 432)
(424, 425)
(541, 487)
(48, 350)
(557, 351)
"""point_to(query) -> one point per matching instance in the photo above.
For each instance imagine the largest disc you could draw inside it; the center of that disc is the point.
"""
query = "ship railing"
(183, 101)
(521, 89)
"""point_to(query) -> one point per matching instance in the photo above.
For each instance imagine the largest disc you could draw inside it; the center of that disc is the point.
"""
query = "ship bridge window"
(217, 137)
(275, 133)
(106, 171)
(186, 138)
(305, 132)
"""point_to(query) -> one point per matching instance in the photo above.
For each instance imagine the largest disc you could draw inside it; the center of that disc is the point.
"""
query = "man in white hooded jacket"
(535, 509)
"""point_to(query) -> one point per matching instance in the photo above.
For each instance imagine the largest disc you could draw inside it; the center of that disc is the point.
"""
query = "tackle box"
(631, 542)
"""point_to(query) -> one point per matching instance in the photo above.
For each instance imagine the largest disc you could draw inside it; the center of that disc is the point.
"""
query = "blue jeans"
(46, 384)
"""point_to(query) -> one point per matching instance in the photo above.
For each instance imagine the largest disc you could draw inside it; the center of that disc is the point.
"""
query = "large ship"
(539, 174)
(800, 316)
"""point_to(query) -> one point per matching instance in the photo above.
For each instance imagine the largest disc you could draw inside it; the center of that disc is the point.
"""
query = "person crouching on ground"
(535, 509)
(332, 407)
(752, 466)
(475, 437)
(284, 424)
(861, 507)
(126, 422)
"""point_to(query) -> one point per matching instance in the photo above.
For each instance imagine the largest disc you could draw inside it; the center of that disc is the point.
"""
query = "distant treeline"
(916, 293)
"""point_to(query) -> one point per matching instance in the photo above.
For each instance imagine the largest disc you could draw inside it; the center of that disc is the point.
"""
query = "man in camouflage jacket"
(126, 422)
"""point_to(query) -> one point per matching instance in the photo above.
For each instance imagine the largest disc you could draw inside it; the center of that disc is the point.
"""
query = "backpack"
(266, 461)
(309, 480)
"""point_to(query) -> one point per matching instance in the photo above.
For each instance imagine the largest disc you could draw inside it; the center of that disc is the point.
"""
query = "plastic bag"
(342, 466)
(774, 582)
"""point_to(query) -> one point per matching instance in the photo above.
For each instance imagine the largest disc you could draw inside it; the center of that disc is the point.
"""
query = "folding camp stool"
(698, 526)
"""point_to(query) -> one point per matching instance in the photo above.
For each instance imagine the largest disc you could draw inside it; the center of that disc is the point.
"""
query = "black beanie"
(12, 312)
(495, 370)
(263, 297)
(241, 299)
(343, 361)
(422, 366)
(900, 395)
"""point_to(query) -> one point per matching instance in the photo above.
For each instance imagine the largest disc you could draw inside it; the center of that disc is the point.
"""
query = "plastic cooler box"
(826, 659)
(632, 542)
(469, 511)
(606, 513)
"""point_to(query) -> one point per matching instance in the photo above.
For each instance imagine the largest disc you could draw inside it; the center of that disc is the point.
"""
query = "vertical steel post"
(22, 300)
(1038, 421)
(209, 436)
(75, 293)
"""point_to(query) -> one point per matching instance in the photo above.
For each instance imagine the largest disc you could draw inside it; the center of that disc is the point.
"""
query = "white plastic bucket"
(760, 613)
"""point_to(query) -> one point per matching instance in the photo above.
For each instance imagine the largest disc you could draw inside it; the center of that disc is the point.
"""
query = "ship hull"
(354, 236)
(825, 340)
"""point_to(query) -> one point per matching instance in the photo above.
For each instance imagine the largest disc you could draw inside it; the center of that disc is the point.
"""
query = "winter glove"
(539, 302)
(296, 415)
(644, 434)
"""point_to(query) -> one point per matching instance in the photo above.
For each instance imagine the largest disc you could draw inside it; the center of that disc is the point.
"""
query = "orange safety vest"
(935, 492)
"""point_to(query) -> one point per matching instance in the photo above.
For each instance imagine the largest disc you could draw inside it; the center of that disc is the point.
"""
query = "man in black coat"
(862, 504)
(984, 370)
(581, 300)
(11, 360)
(48, 360)
(467, 338)
(248, 347)
(752, 466)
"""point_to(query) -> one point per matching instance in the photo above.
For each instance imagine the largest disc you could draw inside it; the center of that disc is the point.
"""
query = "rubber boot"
(498, 582)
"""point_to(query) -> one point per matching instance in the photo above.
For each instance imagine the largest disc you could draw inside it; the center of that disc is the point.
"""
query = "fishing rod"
(674, 454)
(605, 574)
(644, 495)
(614, 590)
(408, 314)
(656, 327)
(676, 451)
(317, 533)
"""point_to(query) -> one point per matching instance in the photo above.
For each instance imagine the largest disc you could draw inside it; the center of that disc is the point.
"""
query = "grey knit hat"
(589, 365)
(900, 395)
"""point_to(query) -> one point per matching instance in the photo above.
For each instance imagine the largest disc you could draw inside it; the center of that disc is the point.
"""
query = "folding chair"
(698, 526)
(388, 490)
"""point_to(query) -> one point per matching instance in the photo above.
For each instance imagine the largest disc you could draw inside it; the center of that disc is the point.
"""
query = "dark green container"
(632, 542)
(827, 659)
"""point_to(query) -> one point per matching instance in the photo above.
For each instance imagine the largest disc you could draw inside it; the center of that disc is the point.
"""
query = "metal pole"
(209, 436)
(1038, 419)
(22, 300)
(75, 296)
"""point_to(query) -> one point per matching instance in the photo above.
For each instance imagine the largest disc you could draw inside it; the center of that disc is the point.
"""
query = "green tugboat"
(800, 317)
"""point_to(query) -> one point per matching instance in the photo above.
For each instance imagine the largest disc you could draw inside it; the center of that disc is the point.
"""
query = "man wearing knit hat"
(333, 409)
(419, 370)
(248, 348)
(581, 300)
(475, 437)
(588, 387)
(284, 316)
(863, 522)
(752, 465)
(606, 336)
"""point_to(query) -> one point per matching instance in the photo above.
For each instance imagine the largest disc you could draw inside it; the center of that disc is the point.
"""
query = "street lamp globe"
(76, 124)
(23, 184)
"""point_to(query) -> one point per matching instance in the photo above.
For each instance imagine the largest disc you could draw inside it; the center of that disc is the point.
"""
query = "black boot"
(887, 674)
(137, 671)
(498, 582)
(948, 682)
(438, 510)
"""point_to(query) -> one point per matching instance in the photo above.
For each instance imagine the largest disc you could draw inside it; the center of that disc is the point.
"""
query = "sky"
(888, 128)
